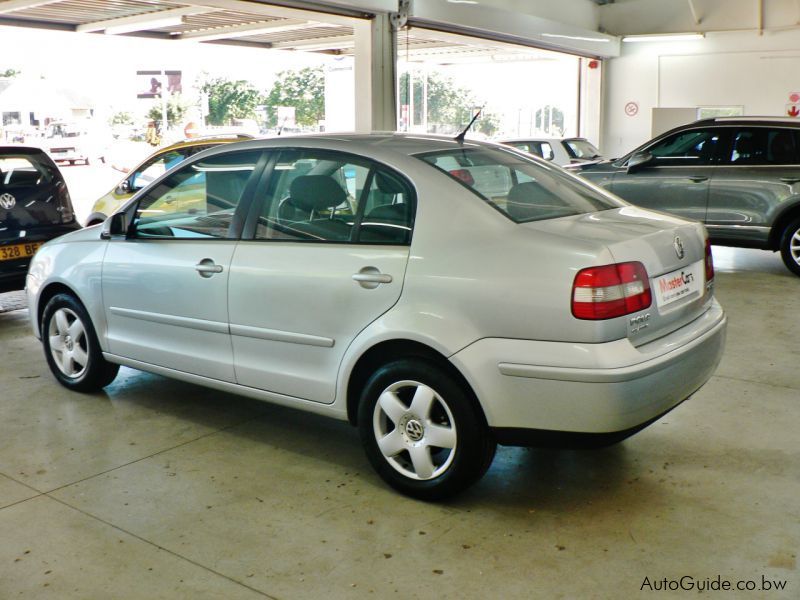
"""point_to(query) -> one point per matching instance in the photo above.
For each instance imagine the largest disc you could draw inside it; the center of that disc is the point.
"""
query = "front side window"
(687, 148)
(323, 196)
(197, 201)
(520, 188)
(762, 146)
(158, 165)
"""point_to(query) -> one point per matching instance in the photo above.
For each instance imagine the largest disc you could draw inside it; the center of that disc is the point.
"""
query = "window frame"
(239, 214)
(714, 159)
(733, 131)
(373, 165)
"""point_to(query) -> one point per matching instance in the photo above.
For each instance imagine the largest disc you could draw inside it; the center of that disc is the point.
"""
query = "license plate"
(16, 251)
(681, 283)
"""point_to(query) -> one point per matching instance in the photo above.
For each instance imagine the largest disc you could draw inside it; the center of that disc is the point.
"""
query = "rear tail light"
(610, 291)
(464, 175)
(709, 262)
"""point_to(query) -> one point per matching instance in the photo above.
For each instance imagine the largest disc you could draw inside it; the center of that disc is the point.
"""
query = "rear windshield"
(29, 193)
(580, 148)
(521, 188)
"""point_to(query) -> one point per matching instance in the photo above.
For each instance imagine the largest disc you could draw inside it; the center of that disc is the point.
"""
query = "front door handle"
(790, 179)
(698, 178)
(207, 268)
(370, 278)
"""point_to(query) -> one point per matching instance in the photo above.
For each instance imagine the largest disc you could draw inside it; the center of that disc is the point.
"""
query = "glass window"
(521, 189)
(687, 148)
(37, 196)
(21, 172)
(158, 165)
(543, 149)
(580, 148)
(762, 146)
(197, 201)
(321, 196)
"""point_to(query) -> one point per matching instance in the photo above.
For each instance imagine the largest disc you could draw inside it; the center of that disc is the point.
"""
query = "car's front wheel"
(790, 246)
(71, 347)
(422, 431)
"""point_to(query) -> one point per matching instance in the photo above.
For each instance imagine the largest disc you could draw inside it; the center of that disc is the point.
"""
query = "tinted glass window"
(580, 148)
(320, 196)
(197, 201)
(695, 147)
(33, 193)
(520, 188)
(762, 146)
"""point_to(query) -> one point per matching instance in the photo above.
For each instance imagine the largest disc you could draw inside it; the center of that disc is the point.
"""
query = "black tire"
(790, 246)
(452, 415)
(79, 364)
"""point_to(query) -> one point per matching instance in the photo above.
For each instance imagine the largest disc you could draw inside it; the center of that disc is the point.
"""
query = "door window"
(158, 165)
(762, 146)
(198, 200)
(687, 148)
(321, 196)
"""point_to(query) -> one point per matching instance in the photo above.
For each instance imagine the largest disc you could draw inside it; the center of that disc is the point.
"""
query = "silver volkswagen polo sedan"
(442, 295)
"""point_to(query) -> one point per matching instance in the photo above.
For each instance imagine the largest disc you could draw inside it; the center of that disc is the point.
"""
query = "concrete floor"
(159, 489)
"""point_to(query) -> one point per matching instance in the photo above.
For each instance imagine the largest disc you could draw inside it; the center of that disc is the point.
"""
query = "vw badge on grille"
(678, 245)
(7, 201)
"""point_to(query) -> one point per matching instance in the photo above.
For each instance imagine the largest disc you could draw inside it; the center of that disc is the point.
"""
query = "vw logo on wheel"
(414, 430)
(7, 201)
(678, 245)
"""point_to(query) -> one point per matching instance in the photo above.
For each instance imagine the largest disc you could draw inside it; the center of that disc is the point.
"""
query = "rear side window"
(326, 196)
(520, 188)
(580, 148)
(763, 146)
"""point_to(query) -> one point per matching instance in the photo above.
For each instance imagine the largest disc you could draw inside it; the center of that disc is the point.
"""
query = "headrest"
(529, 192)
(388, 185)
(316, 192)
(390, 212)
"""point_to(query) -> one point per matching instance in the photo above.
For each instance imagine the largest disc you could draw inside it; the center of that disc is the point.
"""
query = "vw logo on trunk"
(678, 245)
(7, 201)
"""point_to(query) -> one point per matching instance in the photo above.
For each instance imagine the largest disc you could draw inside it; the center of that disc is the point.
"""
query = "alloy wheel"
(68, 343)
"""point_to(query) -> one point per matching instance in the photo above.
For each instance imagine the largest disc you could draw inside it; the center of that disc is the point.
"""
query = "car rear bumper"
(12, 272)
(607, 391)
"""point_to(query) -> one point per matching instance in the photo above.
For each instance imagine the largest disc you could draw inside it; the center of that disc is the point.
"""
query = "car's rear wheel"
(71, 347)
(422, 431)
(790, 246)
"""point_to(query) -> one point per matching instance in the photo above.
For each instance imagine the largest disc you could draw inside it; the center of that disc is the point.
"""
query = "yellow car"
(152, 167)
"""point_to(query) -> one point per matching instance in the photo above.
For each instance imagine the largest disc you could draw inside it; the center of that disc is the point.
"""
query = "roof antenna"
(283, 124)
(460, 137)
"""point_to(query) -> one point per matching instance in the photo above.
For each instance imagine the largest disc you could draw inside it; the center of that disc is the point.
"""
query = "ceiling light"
(463, 1)
(664, 37)
(154, 23)
(576, 37)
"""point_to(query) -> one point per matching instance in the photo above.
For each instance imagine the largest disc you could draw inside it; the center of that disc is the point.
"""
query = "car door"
(329, 248)
(165, 285)
(677, 179)
(759, 171)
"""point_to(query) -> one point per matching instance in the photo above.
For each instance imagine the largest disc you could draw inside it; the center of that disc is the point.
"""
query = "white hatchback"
(442, 295)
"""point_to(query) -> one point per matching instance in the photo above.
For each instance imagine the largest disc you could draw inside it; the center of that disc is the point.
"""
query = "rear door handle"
(372, 278)
(698, 178)
(207, 268)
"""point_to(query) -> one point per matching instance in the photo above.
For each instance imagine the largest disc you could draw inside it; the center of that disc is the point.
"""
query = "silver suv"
(740, 176)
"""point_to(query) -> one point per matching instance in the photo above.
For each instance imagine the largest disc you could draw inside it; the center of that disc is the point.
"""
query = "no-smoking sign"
(632, 109)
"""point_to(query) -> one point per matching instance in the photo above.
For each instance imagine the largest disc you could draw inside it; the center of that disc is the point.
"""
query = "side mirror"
(124, 187)
(115, 225)
(638, 161)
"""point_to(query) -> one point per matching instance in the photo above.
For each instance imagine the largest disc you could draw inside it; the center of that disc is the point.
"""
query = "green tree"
(176, 109)
(450, 107)
(121, 118)
(229, 100)
(10, 73)
(304, 90)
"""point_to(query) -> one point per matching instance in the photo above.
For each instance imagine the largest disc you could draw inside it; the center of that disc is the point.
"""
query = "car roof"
(369, 144)
(782, 121)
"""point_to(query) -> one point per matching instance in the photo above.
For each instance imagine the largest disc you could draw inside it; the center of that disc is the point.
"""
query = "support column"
(375, 79)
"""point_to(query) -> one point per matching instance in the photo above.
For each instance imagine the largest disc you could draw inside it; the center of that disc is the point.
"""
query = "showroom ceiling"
(213, 21)
(244, 23)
